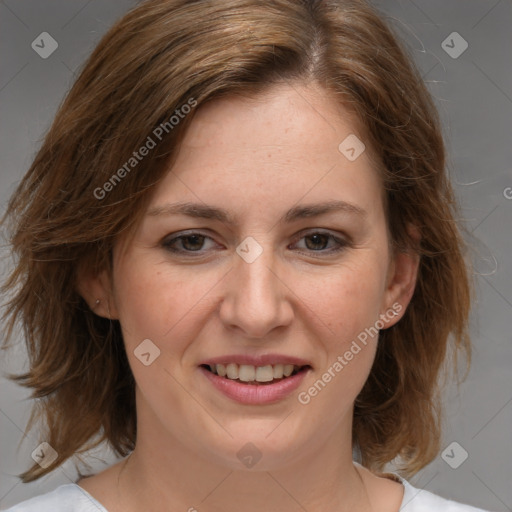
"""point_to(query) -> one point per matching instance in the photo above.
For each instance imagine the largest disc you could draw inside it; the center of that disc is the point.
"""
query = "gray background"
(474, 95)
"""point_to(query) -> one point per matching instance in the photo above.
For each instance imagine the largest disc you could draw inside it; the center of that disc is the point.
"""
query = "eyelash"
(167, 243)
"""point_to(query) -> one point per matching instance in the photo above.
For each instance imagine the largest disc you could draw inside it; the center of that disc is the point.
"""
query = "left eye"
(319, 241)
(316, 241)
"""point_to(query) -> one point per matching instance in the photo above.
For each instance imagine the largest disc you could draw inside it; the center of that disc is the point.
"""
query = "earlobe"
(97, 292)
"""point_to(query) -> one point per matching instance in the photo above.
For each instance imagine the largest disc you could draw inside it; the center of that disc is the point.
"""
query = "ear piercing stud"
(97, 303)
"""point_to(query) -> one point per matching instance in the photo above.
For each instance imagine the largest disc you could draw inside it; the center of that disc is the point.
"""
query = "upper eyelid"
(301, 233)
(339, 238)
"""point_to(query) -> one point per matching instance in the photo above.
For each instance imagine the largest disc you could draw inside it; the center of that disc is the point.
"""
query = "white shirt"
(72, 498)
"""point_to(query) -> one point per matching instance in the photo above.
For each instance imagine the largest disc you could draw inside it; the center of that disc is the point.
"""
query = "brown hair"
(167, 53)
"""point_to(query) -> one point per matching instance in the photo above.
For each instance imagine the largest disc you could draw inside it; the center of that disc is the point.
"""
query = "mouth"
(255, 375)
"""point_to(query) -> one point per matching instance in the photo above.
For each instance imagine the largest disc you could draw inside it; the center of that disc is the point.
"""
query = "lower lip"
(254, 394)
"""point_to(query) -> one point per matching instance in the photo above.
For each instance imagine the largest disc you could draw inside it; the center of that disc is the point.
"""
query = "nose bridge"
(255, 299)
(257, 281)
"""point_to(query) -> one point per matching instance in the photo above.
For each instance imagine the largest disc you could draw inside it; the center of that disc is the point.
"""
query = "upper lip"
(257, 360)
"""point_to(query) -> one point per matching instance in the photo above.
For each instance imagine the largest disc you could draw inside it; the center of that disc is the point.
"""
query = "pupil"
(193, 237)
(316, 237)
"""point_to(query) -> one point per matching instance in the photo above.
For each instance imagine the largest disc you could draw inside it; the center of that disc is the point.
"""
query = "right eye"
(191, 242)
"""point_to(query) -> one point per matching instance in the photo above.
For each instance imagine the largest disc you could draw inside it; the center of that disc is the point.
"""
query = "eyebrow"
(204, 211)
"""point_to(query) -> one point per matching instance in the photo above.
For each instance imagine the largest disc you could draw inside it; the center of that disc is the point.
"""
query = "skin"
(257, 158)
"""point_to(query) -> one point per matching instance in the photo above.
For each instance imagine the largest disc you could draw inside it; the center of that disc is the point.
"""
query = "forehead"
(273, 149)
(281, 116)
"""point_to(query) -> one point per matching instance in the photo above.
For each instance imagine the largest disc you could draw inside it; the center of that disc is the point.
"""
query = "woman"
(238, 264)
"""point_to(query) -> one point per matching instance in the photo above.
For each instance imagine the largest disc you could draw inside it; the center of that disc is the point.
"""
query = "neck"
(164, 473)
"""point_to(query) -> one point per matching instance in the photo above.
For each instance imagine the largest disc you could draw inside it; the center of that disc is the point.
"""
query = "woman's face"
(262, 277)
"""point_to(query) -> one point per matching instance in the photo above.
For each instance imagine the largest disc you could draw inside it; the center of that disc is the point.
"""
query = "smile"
(250, 374)
(254, 385)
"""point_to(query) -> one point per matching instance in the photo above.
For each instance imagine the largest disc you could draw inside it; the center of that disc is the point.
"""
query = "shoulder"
(419, 500)
(408, 498)
(65, 498)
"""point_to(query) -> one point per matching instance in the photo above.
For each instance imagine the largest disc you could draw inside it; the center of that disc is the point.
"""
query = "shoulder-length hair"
(75, 200)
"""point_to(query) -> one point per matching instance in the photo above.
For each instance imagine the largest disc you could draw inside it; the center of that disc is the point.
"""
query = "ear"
(401, 281)
(96, 290)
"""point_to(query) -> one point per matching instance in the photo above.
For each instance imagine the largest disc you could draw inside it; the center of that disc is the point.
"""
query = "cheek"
(348, 299)
(156, 301)
(348, 303)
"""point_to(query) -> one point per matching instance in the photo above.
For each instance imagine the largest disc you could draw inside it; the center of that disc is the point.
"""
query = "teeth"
(250, 373)
(264, 374)
(278, 371)
(288, 369)
(246, 373)
(232, 371)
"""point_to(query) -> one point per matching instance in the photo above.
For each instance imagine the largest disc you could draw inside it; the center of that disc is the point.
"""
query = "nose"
(257, 299)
